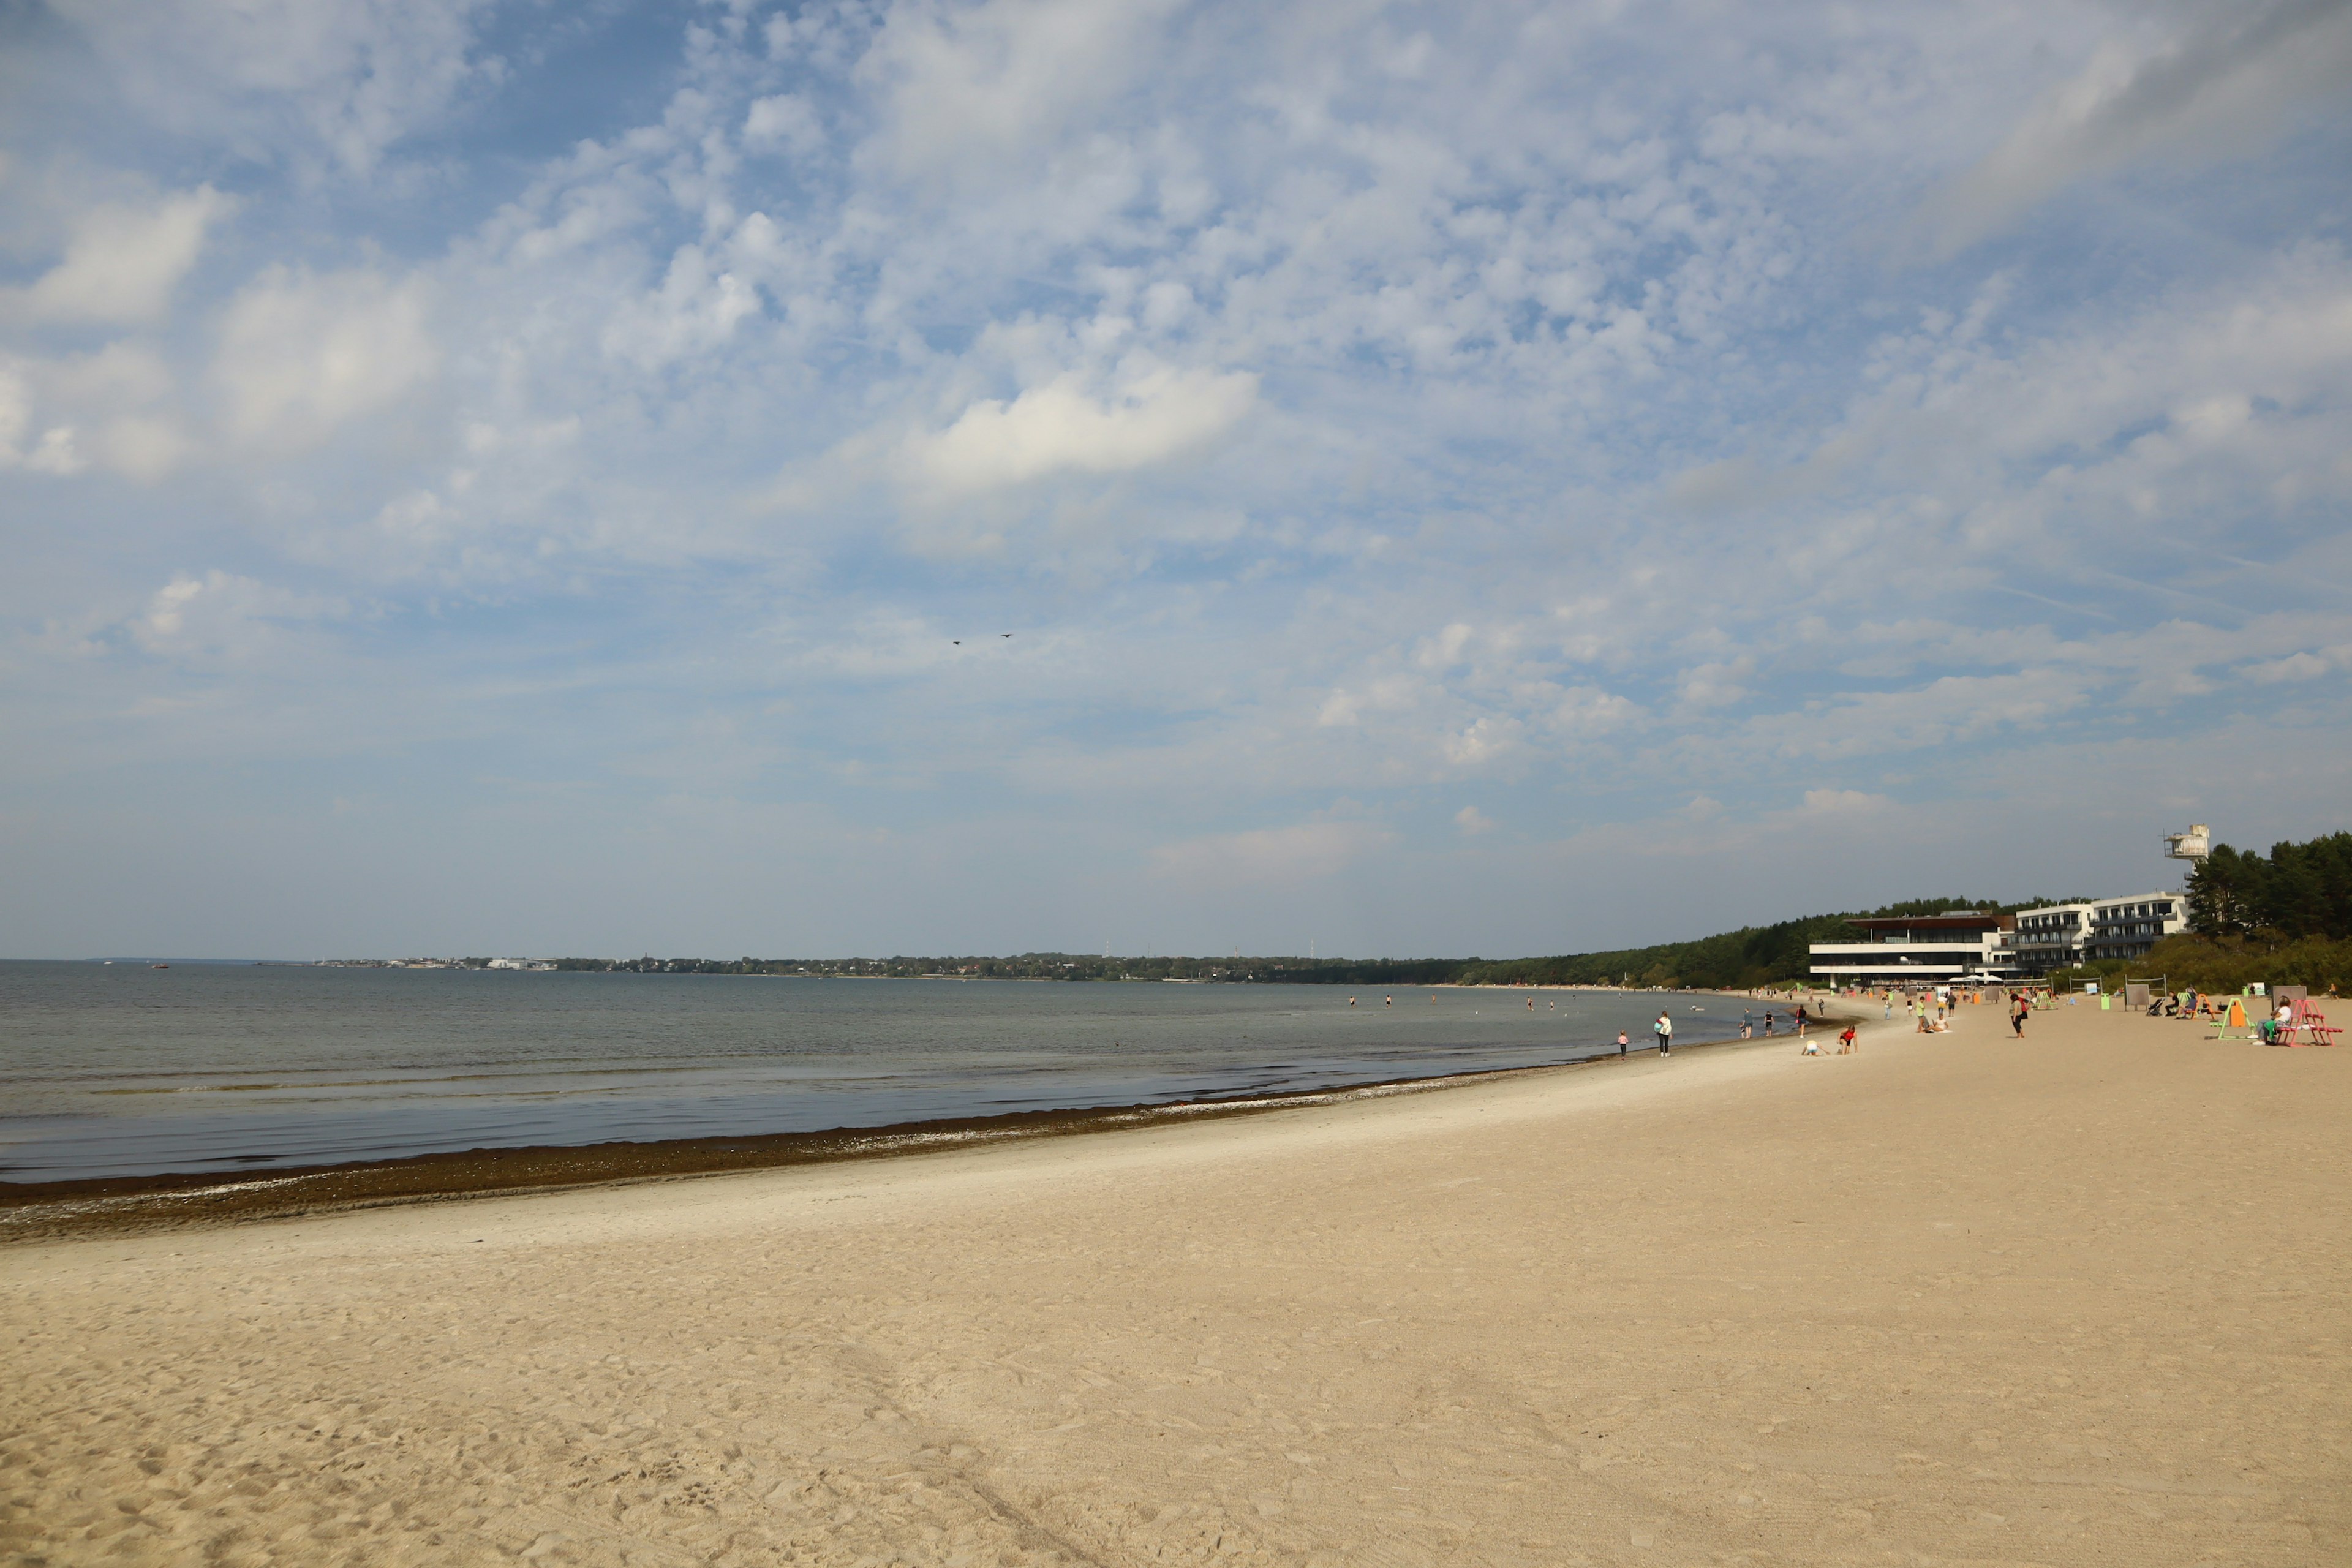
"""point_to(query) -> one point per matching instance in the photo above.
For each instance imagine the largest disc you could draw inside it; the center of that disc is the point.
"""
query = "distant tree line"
(1751, 956)
(2285, 917)
(1065, 966)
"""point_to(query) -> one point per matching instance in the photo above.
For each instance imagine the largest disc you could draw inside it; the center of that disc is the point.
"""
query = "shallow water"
(127, 1071)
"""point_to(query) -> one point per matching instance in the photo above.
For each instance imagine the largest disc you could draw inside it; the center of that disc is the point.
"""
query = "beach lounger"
(2311, 1024)
(2234, 1017)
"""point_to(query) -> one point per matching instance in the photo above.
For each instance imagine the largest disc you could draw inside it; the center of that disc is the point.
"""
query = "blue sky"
(519, 478)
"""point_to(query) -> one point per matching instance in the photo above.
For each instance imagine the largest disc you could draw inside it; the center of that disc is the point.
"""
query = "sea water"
(122, 1070)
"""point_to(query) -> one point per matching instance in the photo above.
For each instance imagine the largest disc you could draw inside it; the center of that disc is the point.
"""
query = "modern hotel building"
(1915, 950)
(1910, 949)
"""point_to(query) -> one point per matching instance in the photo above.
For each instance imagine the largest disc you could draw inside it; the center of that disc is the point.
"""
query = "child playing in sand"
(1850, 1041)
(1813, 1048)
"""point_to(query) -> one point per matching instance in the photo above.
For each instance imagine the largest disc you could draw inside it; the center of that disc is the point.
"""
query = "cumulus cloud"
(303, 355)
(2220, 91)
(965, 88)
(2306, 665)
(23, 443)
(123, 261)
(1062, 428)
(696, 308)
(1335, 405)
(783, 122)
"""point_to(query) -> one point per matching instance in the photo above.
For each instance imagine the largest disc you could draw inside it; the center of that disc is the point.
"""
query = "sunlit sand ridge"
(1956, 1298)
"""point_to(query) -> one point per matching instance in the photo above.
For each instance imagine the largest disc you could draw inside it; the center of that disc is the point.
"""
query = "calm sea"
(127, 1071)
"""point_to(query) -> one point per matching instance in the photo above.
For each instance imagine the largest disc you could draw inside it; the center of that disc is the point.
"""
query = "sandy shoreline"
(2080, 1300)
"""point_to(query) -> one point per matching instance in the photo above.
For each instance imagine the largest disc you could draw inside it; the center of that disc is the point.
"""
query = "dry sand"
(1956, 1299)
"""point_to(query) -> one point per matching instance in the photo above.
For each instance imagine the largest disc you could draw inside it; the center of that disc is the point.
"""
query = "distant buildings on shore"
(1967, 944)
(2126, 928)
(1974, 945)
(534, 964)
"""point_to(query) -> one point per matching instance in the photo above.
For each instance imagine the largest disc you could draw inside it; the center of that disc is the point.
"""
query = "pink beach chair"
(2309, 1020)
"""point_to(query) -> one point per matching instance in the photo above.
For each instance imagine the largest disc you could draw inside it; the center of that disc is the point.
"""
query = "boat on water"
(159, 966)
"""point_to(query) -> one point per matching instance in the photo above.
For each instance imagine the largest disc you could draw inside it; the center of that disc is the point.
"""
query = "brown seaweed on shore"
(45, 1211)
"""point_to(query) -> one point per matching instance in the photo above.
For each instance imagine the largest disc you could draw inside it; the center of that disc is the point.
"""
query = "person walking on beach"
(1665, 1029)
(1623, 1043)
(2018, 1008)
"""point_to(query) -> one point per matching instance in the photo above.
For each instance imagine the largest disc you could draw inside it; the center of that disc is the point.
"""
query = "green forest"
(2280, 919)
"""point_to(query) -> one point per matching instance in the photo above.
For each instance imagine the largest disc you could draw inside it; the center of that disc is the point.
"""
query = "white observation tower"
(2193, 845)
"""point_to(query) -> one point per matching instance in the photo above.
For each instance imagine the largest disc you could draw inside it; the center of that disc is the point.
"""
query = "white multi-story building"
(1918, 950)
(2128, 927)
(2052, 937)
(2059, 936)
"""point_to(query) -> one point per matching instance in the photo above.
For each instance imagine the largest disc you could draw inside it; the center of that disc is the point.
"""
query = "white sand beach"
(1958, 1299)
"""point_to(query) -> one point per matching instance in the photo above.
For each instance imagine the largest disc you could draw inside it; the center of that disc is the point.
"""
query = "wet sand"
(1956, 1298)
(45, 1211)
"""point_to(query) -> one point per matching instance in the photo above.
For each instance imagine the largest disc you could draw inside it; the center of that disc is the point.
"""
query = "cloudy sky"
(506, 475)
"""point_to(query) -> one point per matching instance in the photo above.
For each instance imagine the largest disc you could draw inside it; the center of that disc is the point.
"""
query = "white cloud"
(122, 262)
(1062, 428)
(696, 308)
(222, 617)
(783, 122)
(1719, 683)
(341, 79)
(1307, 387)
(2304, 666)
(968, 89)
(301, 355)
(1470, 819)
(2218, 93)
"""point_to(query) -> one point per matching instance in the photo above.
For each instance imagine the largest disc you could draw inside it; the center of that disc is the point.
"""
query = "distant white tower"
(2194, 845)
